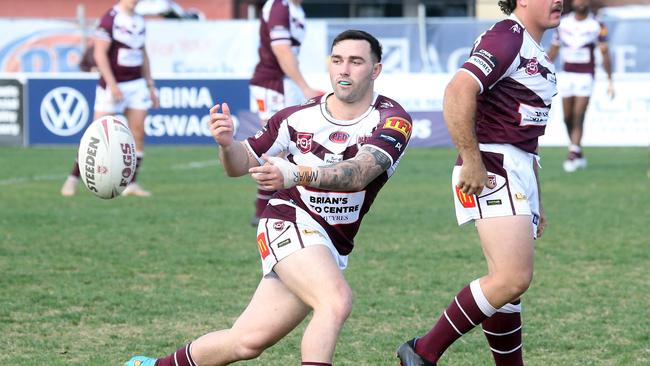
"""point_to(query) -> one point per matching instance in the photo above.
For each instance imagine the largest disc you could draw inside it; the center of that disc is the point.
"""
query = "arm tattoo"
(354, 174)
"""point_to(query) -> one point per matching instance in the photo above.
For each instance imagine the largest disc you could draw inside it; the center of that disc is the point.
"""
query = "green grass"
(86, 281)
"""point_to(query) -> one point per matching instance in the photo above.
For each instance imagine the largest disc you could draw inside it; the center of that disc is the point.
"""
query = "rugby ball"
(106, 157)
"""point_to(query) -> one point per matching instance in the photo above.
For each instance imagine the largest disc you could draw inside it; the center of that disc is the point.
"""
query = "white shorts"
(515, 192)
(136, 96)
(267, 102)
(575, 84)
(277, 239)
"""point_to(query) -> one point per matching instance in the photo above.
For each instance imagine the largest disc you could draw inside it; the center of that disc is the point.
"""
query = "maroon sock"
(75, 169)
(308, 363)
(503, 332)
(182, 357)
(137, 168)
(262, 200)
(461, 316)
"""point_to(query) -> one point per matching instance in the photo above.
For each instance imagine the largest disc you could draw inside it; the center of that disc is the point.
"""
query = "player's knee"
(250, 346)
(520, 283)
(338, 305)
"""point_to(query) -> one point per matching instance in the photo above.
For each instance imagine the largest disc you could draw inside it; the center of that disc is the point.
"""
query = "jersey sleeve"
(393, 132)
(494, 52)
(270, 140)
(278, 23)
(104, 30)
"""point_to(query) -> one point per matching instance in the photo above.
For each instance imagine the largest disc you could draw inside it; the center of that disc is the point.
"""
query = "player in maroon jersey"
(339, 151)
(495, 108)
(125, 84)
(277, 81)
(576, 39)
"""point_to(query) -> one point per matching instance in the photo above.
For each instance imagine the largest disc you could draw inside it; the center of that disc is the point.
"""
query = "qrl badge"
(303, 141)
(466, 200)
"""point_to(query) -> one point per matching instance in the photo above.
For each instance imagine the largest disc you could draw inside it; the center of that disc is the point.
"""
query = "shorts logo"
(492, 181)
(303, 141)
(278, 225)
(261, 245)
(260, 105)
(399, 124)
(339, 137)
(520, 196)
(468, 201)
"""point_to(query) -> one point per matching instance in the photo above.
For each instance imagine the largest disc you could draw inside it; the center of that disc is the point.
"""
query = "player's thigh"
(265, 102)
(580, 105)
(271, 314)
(567, 107)
(507, 243)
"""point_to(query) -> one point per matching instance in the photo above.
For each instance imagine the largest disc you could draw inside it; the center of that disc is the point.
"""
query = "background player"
(125, 85)
(340, 151)
(576, 38)
(495, 108)
(277, 81)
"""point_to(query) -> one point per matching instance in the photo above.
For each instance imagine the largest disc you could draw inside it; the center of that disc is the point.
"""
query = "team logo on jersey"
(532, 67)
(468, 201)
(339, 137)
(399, 124)
(515, 28)
(303, 141)
(262, 246)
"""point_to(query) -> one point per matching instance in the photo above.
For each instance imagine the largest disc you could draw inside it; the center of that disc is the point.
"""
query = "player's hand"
(473, 177)
(311, 93)
(610, 90)
(116, 93)
(276, 173)
(155, 102)
(543, 223)
(221, 125)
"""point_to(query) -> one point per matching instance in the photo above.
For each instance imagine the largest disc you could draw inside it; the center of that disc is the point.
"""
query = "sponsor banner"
(60, 109)
(11, 112)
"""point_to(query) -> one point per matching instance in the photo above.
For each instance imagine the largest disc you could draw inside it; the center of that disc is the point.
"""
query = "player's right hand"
(116, 93)
(473, 177)
(221, 125)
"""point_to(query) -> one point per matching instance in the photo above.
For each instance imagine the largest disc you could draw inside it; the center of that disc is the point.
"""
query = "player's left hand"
(155, 102)
(276, 173)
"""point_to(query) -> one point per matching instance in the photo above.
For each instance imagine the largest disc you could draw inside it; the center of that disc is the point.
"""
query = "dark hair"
(375, 46)
(508, 6)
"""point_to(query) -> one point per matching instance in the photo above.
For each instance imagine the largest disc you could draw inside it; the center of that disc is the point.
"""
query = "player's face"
(580, 6)
(352, 70)
(547, 13)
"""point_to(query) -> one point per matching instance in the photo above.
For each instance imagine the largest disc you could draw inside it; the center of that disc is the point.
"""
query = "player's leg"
(508, 247)
(503, 333)
(579, 111)
(313, 275)
(270, 315)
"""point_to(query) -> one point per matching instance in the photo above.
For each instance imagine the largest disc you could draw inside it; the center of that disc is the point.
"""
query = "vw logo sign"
(64, 111)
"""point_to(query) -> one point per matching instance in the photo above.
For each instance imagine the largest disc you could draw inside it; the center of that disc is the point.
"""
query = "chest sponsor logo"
(339, 137)
(304, 141)
(533, 116)
(334, 207)
(466, 200)
(399, 124)
(481, 64)
(262, 246)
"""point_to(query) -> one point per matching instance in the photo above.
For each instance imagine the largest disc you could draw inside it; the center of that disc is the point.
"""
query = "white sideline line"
(42, 178)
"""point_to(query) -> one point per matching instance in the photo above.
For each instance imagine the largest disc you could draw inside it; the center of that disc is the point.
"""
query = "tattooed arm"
(349, 175)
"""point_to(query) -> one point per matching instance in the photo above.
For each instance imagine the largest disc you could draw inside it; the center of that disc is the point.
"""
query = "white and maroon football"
(107, 157)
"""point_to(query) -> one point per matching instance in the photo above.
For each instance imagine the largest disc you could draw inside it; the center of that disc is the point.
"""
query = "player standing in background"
(576, 38)
(496, 107)
(125, 85)
(277, 81)
(340, 149)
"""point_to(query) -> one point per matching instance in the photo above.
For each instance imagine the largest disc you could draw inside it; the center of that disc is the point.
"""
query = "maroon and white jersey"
(517, 82)
(126, 34)
(282, 21)
(577, 40)
(310, 136)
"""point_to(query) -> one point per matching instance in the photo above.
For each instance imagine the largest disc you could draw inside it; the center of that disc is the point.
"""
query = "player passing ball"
(339, 150)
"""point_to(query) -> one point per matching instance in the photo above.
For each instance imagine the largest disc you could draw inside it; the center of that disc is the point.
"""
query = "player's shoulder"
(507, 30)
(388, 107)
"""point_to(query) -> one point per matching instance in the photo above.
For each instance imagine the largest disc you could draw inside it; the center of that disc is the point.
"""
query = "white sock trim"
(463, 311)
(452, 323)
(506, 352)
(510, 308)
(501, 334)
(480, 299)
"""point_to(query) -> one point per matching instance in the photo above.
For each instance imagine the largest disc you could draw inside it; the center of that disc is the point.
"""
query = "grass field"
(86, 281)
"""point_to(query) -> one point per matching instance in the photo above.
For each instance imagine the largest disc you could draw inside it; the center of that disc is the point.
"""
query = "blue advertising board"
(60, 109)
